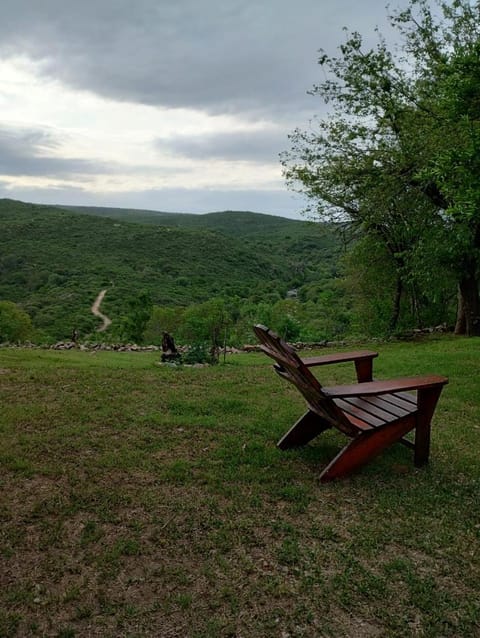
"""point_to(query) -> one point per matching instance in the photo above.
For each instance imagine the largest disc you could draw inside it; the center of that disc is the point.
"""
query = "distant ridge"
(229, 222)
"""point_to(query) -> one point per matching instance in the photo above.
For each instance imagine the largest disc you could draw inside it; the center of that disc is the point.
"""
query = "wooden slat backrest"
(290, 367)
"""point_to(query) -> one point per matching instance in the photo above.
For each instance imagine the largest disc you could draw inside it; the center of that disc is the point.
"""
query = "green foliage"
(400, 155)
(55, 263)
(370, 280)
(199, 353)
(131, 327)
(205, 322)
(163, 319)
(204, 286)
(15, 324)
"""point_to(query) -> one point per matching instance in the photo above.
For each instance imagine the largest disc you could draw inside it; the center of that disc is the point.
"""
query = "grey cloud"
(43, 195)
(251, 56)
(26, 152)
(253, 146)
(255, 58)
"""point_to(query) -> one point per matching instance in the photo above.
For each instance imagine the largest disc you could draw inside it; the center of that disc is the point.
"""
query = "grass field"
(139, 500)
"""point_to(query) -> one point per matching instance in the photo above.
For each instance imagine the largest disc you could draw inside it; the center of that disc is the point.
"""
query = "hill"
(234, 223)
(54, 261)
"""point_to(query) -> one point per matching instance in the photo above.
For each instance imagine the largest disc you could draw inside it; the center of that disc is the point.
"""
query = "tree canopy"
(399, 154)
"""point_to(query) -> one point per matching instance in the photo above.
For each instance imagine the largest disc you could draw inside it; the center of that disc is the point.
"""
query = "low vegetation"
(141, 500)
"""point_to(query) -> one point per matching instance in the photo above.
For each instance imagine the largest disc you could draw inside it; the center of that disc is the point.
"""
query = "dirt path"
(97, 313)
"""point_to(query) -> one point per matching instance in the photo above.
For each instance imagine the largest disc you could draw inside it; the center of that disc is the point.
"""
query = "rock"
(249, 348)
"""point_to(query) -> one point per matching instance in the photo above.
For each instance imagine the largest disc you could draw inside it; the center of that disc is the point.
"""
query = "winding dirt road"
(96, 311)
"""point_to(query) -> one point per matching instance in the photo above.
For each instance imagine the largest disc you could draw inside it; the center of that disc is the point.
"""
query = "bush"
(199, 353)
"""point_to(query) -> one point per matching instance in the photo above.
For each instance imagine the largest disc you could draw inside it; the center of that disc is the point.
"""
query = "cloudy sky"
(172, 105)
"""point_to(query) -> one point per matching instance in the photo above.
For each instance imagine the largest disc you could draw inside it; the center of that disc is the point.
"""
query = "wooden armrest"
(385, 387)
(339, 357)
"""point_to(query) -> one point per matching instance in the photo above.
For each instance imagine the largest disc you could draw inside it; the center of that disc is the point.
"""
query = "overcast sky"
(172, 105)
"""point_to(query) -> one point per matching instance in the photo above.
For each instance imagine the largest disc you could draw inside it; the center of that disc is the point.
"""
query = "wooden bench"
(374, 414)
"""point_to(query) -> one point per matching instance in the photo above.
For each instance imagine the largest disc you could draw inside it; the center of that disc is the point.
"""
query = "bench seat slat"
(386, 405)
(357, 411)
(358, 423)
(403, 404)
(406, 396)
(374, 411)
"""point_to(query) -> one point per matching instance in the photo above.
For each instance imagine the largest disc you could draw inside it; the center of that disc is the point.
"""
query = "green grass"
(140, 500)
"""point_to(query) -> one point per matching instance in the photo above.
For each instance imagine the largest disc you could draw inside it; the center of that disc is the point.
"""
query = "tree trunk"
(415, 306)
(461, 324)
(469, 302)
(396, 305)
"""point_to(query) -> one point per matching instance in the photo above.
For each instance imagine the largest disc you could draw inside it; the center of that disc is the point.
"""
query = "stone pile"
(110, 347)
(299, 345)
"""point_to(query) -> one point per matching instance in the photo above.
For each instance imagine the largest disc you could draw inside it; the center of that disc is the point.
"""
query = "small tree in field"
(207, 323)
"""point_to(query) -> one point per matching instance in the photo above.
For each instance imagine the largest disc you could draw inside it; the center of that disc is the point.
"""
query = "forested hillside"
(234, 223)
(54, 262)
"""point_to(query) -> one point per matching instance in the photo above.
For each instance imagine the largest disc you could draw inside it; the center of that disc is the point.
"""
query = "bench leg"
(304, 430)
(365, 447)
(427, 402)
(364, 370)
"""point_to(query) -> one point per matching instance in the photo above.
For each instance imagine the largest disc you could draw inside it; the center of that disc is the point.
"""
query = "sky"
(170, 105)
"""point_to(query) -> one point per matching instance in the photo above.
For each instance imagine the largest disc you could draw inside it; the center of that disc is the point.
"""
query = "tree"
(132, 325)
(15, 324)
(400, 156)
(454, 170)
(208, 322)
(163, 319)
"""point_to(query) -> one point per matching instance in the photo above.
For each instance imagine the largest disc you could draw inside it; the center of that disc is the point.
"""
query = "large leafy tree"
(400, 154)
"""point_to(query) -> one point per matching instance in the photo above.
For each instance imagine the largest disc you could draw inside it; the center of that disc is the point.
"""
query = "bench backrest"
(290, 367)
